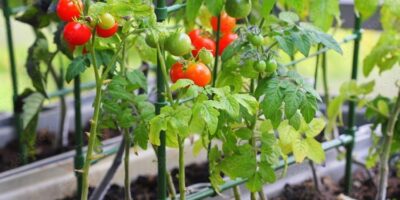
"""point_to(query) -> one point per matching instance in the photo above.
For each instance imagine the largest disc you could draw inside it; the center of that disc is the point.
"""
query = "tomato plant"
(199, 42)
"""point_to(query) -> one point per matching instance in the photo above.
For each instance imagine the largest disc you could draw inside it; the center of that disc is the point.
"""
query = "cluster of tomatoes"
(202, 47)
(78, 33)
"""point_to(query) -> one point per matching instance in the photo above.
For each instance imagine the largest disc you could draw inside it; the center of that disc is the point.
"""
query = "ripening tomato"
(176, 72)
(67, 10)
(107, 21)
(76, 33)
(198, 73)
(225, 41)
(105, 33)
(199, 42)
(227, 23)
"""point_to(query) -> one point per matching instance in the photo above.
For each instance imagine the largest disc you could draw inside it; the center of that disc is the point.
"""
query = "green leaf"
(192, 9)
(295, 121)
(316, 153)
(32, 105)
(229, 78)
(293, 99)
(214, 6)
(231, 50)
(76, 67)
(308, 108)
(315, 127)
(141, 136)
(300, 149)
(244, 133)
(289, 17)
(366, 7)
(301, 42)
(266, 7)
(137, 79)
(286, 44)
(240, 165)
(248, 102)
(157, 124)
(206, 113)
(287, 134)
(178, 122)
(254, 183)
(383, 108)
(267, 172)
(328, 41)
(323, 12)
(181, 83)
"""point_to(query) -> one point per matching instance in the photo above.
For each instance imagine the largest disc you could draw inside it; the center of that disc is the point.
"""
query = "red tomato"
(198, 73)
(176, 72)
(227, 23)
(67, 10)
(105, 33)
(199, 42)
(225, 41)
(76, 33)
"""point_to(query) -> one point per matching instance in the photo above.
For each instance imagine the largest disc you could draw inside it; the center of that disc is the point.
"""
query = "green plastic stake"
(79, 158)
(351, 121)
(14, 79)
(161, 13)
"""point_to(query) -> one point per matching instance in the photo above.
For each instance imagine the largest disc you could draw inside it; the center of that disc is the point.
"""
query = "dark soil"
(363, 188)
(145, 187)
(10, 157)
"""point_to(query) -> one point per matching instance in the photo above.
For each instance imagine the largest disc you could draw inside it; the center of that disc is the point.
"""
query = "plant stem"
(325, 80)
(182, 187)
(388, 139)
(236, 192)
(262, 195)
(93, 127)
(170, 184)
(127, 181)
(253, 196)
(315, 176)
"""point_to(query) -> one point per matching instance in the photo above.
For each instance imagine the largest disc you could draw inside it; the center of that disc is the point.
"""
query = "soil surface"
(144, 187)
(45, 147)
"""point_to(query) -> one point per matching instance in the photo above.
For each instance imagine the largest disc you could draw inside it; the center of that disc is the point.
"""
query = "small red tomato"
(105, 33)
(198, 73)
(76, 33)
(199, 42)
(176, 72)
(227, 23)
(225, 41)
(67, 10)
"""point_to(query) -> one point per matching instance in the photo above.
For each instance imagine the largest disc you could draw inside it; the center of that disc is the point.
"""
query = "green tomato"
(151, 40)
(178, 44)
(107, 21)
(238, 8)
(256, 40)
(260, 66)
(206, 56)
(272, 66)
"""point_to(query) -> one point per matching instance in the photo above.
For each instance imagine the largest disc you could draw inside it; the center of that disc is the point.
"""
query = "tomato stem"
(127, 181)
(181, 143)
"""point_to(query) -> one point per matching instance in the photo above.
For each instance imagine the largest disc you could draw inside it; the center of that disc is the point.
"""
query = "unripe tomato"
(199, 42)
(105, 33)
(256, 40)
(238, 8)
(227, 23)
(176, 72)
(206, 56)
(107, 21)
(198, 73)
(151, 41)
(260, 66)
(76, 33)
(67, 10)
(225, 41)
(271, 66)
(178, 44)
